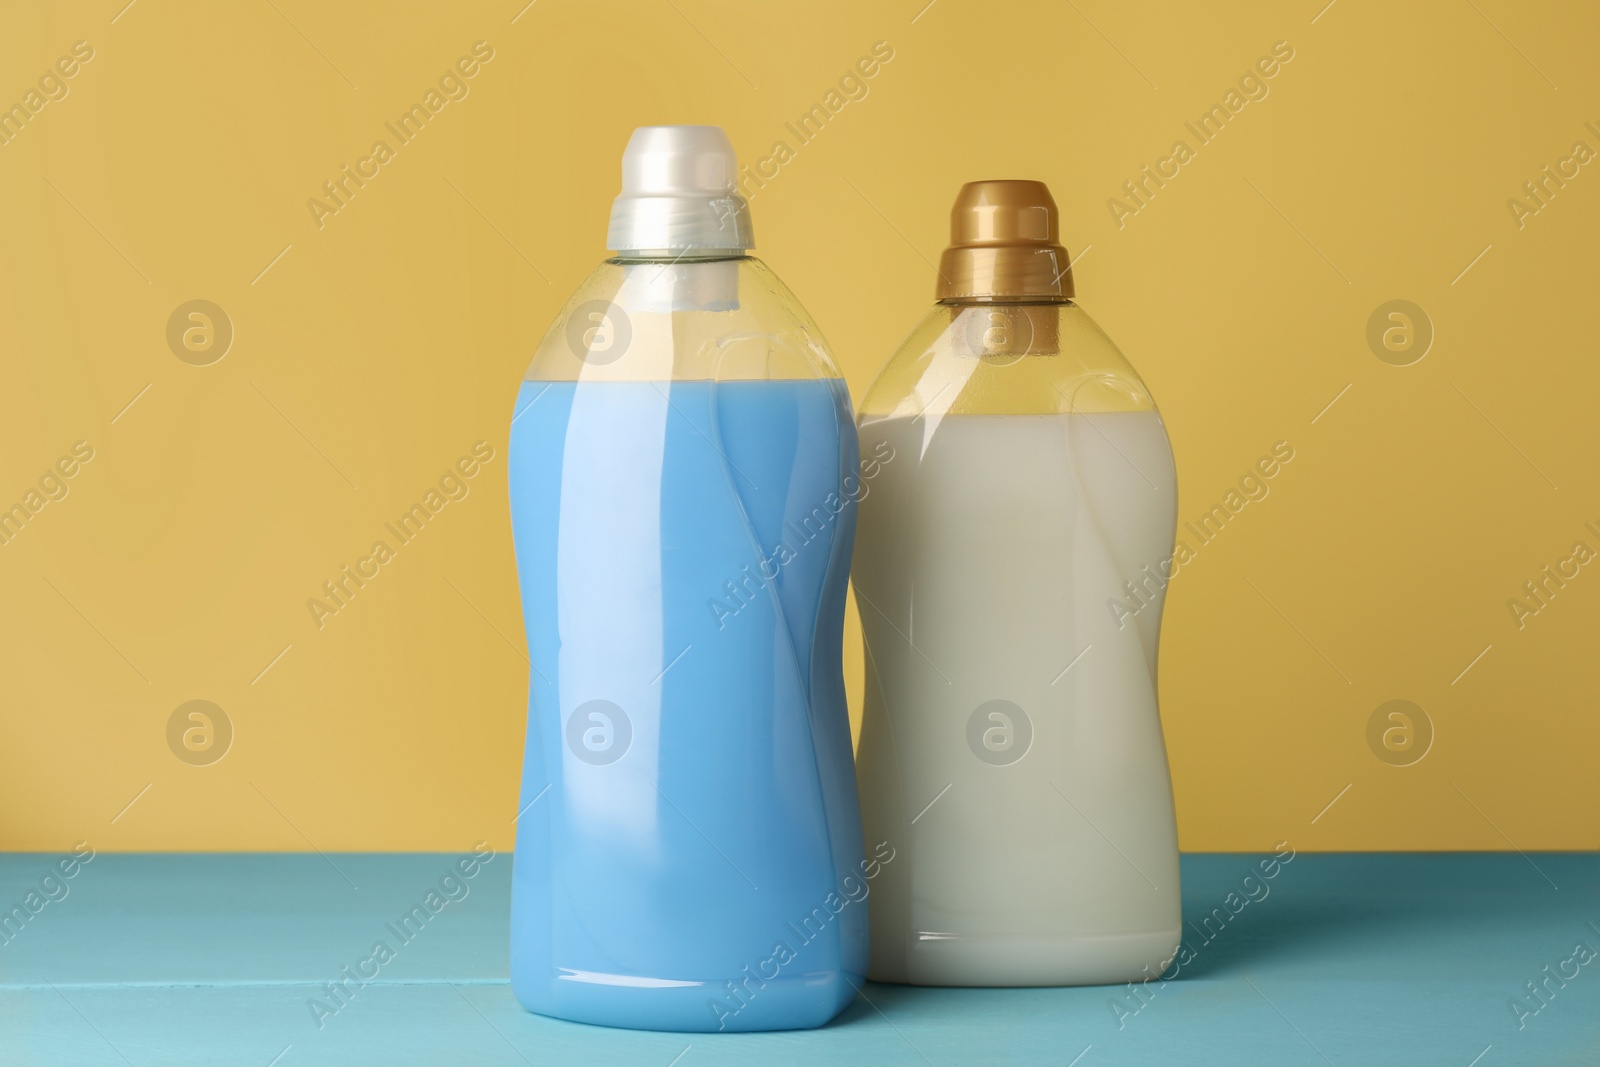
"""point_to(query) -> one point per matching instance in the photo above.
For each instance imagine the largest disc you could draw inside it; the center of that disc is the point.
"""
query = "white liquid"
(987, 551)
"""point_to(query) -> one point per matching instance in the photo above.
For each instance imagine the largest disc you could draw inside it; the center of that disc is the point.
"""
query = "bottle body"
(1011, 568)
(679, 455)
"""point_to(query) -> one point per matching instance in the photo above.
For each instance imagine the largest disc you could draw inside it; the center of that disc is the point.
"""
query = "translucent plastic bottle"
(682, 453)
(1010, 567)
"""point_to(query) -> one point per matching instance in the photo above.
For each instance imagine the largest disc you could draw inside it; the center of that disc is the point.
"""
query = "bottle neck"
(706, 280)
(669, 257)
(1005, 301)
(1006, 328)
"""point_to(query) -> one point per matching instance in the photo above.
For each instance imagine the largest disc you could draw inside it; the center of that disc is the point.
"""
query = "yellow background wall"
(369, 352)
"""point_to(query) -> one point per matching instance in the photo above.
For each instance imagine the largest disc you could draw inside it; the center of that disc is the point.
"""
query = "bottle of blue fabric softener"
(683, 469)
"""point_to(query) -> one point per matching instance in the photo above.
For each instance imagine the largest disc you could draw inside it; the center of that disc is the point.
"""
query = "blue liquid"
(689, 810)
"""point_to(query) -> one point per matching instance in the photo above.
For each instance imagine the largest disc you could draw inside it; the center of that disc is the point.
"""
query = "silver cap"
(679, 193)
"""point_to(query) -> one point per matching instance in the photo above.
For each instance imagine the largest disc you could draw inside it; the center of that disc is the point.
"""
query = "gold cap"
(1004, 245)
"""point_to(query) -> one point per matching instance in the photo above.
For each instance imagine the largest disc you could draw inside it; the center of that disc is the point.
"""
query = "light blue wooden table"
(1348, 959)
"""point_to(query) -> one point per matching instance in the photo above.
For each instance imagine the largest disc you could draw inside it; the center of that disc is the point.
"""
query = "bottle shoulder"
(1006, 359)
(725, 319)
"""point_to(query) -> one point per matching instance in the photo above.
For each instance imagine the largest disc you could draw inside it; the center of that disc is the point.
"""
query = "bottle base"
(798, 1002)
(958, 959)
